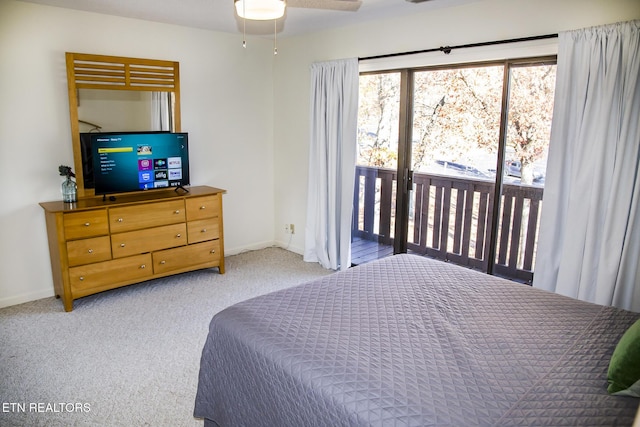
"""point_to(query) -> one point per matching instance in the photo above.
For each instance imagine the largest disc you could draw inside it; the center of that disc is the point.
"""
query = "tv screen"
(87, 156)
(139, 161)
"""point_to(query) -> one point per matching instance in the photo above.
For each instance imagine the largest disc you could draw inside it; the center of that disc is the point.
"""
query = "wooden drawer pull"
(143, 266)
(81, 278)
(120, 220)
(213, 251)
(202, 207)
(204, 230)
(90, 251)
(86, 224)
(163, 262)
(178, 235)
(122, 245)
(177, 212)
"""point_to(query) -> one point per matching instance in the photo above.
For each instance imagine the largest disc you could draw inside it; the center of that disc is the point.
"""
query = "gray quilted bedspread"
(408, 341)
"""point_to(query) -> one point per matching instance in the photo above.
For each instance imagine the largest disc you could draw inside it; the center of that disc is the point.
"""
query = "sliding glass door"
(373, 225)
(527, 129)
(451, 164)
(454, 157)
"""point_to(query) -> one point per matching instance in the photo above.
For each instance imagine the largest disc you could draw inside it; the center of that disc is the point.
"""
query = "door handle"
(408, 179)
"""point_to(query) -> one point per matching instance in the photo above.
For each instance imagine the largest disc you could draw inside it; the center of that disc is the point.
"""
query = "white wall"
(485, 20)
(227, 99)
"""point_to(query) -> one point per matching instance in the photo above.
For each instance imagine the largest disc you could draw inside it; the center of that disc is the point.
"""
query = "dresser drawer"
(203, 207)
(106, 273)
(203, 230)
(187, 256)
(148, 240)
(86, 251)
(78, 225)
(147, 215)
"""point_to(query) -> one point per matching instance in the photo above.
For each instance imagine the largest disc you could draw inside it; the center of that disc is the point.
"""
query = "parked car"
(463, 169)
(513, 168)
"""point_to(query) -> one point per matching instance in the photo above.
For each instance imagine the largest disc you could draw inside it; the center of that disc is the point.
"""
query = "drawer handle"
(204, 230)
(163, 262)
(213, 251)
(122, 245)
(90, 251)
(178, 235)
(120, 220)
(86, 224)
(81, 278)
(177, 211)
(143, 266)
(202, 207)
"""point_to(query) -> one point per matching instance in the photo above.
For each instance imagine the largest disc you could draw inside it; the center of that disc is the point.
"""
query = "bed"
(414, 342)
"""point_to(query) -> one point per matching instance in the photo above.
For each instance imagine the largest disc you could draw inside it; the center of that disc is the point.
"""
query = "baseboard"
(22, 298)
(263, 245)
(289, 247)
(252, 247)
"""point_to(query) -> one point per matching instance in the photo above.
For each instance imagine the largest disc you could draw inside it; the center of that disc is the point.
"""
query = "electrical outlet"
(292, 228)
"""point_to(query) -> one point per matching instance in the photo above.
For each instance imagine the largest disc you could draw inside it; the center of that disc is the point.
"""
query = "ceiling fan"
(262, 10)
(273, 9)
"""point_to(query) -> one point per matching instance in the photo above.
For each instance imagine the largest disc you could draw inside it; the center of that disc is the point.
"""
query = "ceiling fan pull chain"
(244, 25)
(275, 36)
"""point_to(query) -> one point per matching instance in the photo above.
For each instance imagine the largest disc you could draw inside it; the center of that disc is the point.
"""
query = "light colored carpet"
(127, 357)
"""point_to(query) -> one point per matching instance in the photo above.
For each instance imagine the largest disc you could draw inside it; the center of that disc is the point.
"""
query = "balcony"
(450, 219)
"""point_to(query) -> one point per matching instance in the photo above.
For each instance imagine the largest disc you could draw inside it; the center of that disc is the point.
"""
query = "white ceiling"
(219, 15)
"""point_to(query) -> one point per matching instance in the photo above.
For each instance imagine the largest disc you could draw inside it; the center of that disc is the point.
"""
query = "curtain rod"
(447, 49)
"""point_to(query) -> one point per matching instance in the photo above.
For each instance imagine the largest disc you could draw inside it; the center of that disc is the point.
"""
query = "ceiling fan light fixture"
(260, 10)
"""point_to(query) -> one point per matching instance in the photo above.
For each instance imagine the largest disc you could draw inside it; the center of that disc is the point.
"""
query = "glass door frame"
(405, 173)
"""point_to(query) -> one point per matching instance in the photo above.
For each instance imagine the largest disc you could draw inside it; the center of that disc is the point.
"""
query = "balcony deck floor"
(363, 251)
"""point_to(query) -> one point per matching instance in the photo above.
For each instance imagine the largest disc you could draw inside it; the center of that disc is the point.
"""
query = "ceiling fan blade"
(342, 5)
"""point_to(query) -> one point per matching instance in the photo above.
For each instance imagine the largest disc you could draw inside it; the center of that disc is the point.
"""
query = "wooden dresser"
(97, 245)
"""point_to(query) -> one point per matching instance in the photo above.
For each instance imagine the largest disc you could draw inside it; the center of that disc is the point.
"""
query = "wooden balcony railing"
(450, 219)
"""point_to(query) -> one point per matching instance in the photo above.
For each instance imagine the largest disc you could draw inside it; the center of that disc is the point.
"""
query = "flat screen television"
(139, 161)
(87, 156)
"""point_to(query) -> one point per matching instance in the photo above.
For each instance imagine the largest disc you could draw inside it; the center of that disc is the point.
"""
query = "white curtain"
(332, 159)
(160, 109)
(589, 246)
